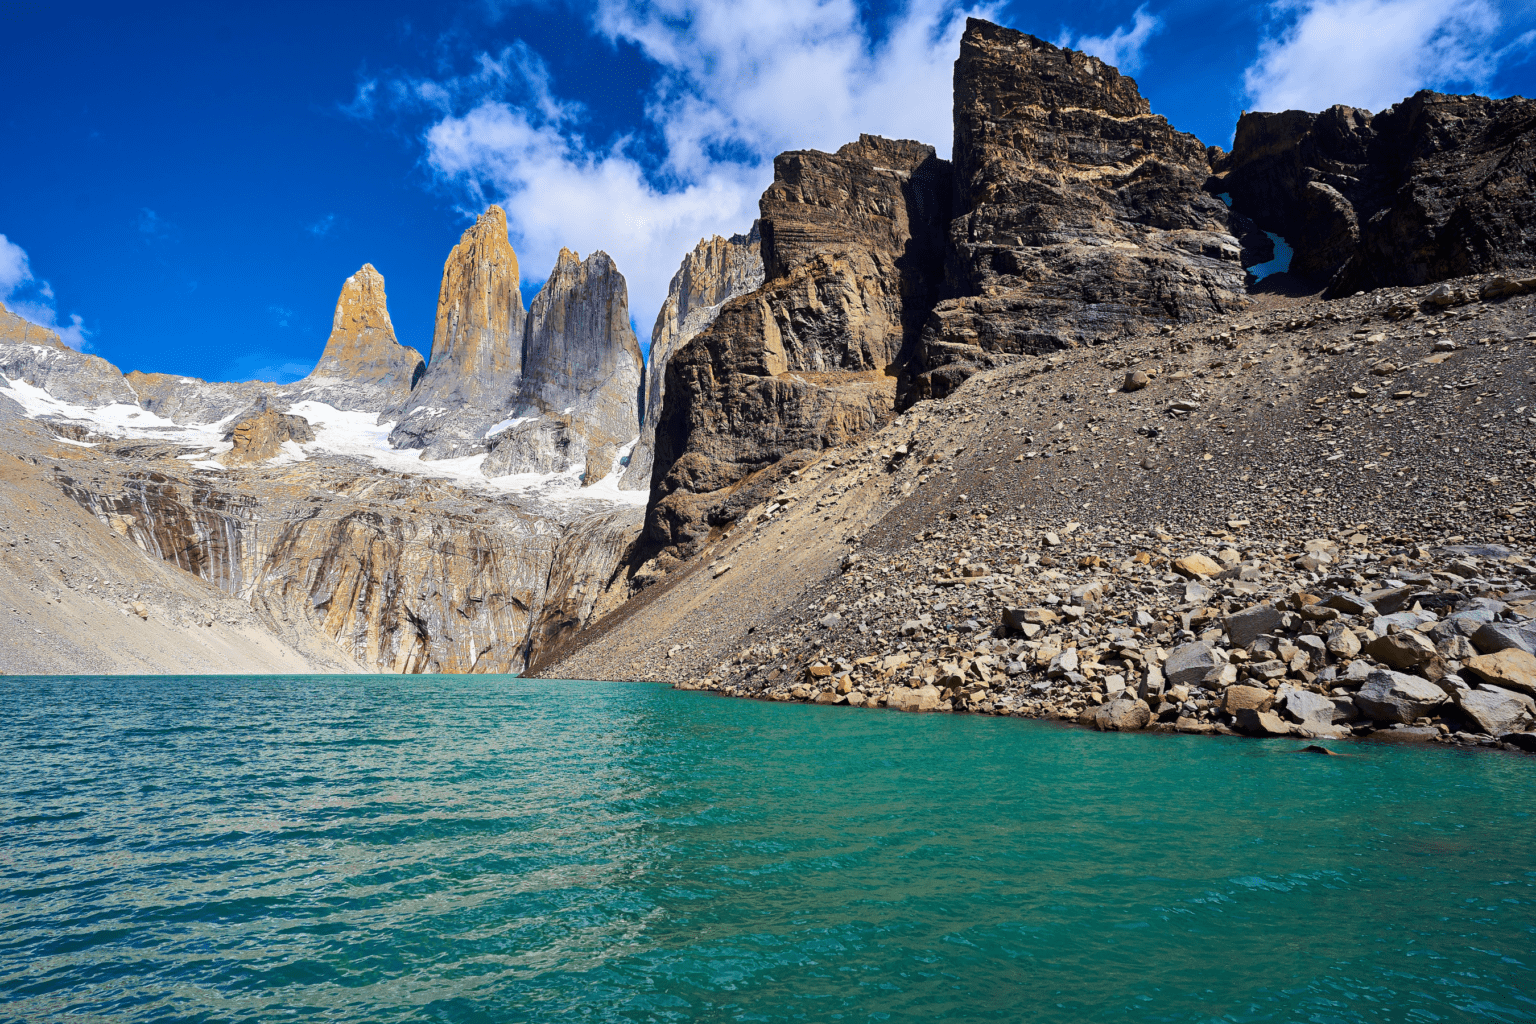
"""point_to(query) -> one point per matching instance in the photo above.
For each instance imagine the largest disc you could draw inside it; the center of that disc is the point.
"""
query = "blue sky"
(185, 187)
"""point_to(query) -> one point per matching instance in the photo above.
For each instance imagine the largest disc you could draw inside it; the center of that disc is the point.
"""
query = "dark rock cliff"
(853, 255)
(1079, 214)
(1435, 187)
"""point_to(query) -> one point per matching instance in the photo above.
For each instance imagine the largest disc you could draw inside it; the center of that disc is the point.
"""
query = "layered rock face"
(477, 348)
(1435, 187)
(718, 269)
(363, 366)
(261, 436)
(581, 366)
(852, 252)
(1079, 214)
(16, 330)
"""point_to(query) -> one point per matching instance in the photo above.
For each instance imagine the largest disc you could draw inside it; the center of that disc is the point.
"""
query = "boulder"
(1188, 665)
(1496, 710)
(1395, 697)
(1494, 637)
(1310, 710)
(1122, 715)
(1244, 627)
(924, 698)
(1511, 669)
(1196, 566)
(1403, 650)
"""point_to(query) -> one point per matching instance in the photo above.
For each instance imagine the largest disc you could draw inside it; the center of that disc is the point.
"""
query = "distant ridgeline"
(459, 512)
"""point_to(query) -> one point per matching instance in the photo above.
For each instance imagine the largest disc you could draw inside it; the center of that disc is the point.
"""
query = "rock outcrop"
(852, 255)
(1079, 215)
(477, 348)
(718, 269)
(18, 330)
(363, 366)
(1434, 187)
(261, 436)
(581, 366)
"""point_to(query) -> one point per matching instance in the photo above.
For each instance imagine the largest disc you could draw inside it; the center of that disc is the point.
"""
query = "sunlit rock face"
(477, 348)
(363, 365)
(1079, 215)
(578, 399)
(718, 269)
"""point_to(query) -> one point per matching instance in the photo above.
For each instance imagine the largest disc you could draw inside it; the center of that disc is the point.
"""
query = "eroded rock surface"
(477, 348)
(718, 269)
(1079, 215)
(581, 367)
(363, 365)
(852, 253)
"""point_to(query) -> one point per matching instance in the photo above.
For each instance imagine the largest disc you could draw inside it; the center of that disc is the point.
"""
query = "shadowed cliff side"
(1434, 187)
(579, 394)
(852, 253)
(716, 270)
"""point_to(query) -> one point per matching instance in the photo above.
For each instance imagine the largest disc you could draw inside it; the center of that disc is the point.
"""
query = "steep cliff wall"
(1434, 187)
(716, 270)
(363, 366)
(852, 253)
(477, 348)
(1079, 214)
(580, 387)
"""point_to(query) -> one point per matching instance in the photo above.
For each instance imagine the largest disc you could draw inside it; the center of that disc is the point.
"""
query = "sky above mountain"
(186, 187)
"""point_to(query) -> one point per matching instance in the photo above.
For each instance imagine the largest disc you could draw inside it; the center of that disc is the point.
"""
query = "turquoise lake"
(491, 849)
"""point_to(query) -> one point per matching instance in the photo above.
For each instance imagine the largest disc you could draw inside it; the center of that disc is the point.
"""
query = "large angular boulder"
(1493, 637)
(1123, 714)
(1511, 669)
(1187, 665)
(1495, 710)
(1246, 626)
(1396, 697)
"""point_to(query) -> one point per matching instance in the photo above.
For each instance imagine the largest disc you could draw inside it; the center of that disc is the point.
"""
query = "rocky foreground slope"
(1311, 519)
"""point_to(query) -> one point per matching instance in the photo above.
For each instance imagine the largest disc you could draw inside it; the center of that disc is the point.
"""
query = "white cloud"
(1374, 53)
(322, 227)
(735, 84)
(1123, 48)
(31, 299)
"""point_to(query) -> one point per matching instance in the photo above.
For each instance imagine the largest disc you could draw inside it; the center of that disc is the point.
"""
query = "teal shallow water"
(488, 849)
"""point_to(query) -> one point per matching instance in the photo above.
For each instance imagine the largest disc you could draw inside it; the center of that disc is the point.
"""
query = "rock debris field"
(1311, 520)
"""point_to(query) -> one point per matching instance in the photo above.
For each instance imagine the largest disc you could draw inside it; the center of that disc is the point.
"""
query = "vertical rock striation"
(718, 269)
(579, 394)
(363, 366)
(1434, 187)
(1079, 214)
(477, 348)
(852, 254)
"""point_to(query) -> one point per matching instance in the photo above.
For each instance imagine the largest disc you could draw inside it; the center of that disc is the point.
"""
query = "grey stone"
(1396, 697)
(1501, 636)
(830, 621)
(1244, 627)
(1188, 665)
(1306, 708)
(1122, 715)
(1496, 710)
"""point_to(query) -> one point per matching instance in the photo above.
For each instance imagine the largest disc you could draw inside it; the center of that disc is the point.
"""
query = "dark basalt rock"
(1079, 214)
(1435, 187)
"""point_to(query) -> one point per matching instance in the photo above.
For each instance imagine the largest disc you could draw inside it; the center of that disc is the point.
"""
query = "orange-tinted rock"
(363, 365)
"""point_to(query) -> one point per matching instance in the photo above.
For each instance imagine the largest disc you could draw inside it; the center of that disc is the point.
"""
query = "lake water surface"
(493, 849)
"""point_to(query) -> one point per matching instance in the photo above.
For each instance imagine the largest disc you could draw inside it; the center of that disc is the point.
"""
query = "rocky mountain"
(852, 256)
(578, 398)
(717, 269)
(1434, 187)
(1080, 217)
(477, 348)
(16, 330)
(363, 366)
